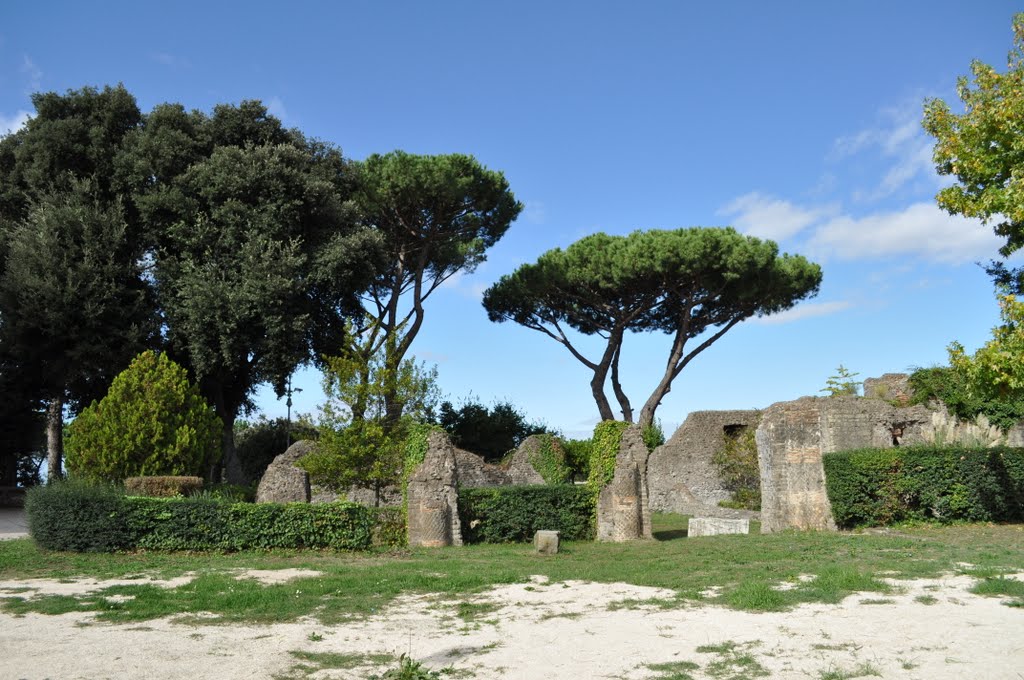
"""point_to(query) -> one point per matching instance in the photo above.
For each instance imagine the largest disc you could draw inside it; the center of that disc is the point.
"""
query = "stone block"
(546, 542)
(714, 526)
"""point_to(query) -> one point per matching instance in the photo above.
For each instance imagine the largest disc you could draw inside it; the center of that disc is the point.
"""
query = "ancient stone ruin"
(682, 477)
(283, 482)
(520, 469)
(794, 435)
(432, 495)
(623, 506)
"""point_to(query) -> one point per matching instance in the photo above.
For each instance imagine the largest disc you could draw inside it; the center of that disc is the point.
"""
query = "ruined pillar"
(433, 497)
(623, 506)
(789, 448)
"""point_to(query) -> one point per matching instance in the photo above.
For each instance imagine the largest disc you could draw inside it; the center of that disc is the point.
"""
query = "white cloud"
(899, 136)
(802, 311)
(275, 107)
(9, 124)
(769, 217)
(535, 212)
(921, 229)
(32, 72)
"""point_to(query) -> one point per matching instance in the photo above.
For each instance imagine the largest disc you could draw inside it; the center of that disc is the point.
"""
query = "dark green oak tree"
(691, 284)
(75, 301)
(983, 148)
(437, 216)
(259, 254)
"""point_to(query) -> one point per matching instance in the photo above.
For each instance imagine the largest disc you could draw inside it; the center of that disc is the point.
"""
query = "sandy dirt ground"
(930, 629)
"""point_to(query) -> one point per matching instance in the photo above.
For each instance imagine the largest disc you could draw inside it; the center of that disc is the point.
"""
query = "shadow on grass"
(670, 534)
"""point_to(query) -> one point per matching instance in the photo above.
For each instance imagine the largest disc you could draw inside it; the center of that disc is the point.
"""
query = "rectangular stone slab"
(713, 526)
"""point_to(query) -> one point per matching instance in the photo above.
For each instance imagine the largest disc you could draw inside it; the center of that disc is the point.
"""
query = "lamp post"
(288, 403)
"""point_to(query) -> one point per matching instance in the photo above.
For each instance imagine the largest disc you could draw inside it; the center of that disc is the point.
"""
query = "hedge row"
(511, 514)
(81, 517)
(872, 487)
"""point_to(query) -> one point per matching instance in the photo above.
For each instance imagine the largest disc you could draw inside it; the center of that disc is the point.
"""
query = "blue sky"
(796, 121)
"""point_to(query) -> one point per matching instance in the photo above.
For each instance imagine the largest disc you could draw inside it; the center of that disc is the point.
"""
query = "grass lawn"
(743, 568)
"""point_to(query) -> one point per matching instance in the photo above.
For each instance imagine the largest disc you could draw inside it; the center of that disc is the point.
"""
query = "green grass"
(734, 662)
(864, 670)
(673, 670)
(998, 586)
(314, 662)
(746, 568)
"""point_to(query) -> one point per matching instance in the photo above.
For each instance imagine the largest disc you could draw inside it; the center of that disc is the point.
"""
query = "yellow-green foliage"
(152, 422)
(603, 450)
(549, 460)
(737, 465)
(163, 486)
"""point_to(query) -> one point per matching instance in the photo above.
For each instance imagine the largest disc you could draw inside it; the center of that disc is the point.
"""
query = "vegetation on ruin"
(604, 447)
(737, 465)
(842, 383)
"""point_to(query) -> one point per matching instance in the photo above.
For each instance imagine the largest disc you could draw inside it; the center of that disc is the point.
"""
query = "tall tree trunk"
(601, 374)
(604, 409)
(228, 468)
(55, 439)
(676, 363)
(627, 408)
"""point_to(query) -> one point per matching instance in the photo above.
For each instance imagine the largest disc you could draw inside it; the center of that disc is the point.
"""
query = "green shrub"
(76, 515)
(388, 527)
(604, 448)
(549, 460)
(163, 486)
(511, 514)
(944, 384)
(83, 517)
(737, 465)
(880, 486)
(577, 457)
(653, 435)
(152, 422)
(258, 442)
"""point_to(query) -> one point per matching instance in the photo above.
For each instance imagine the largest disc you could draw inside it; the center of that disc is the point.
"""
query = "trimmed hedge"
(512, 514)
(870, 487)
(163, 486)
(79, 517)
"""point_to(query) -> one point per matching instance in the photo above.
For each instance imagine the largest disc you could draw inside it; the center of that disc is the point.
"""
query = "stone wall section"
(681, 475)
(789, 444)
(283, 482)
(892, 387)
(520, 470)
(475, 472)
(623, 506)
(794, 435)
(433, 496)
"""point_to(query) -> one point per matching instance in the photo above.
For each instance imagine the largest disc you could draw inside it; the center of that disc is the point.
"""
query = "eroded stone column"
(623, 506)
(433, 497)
